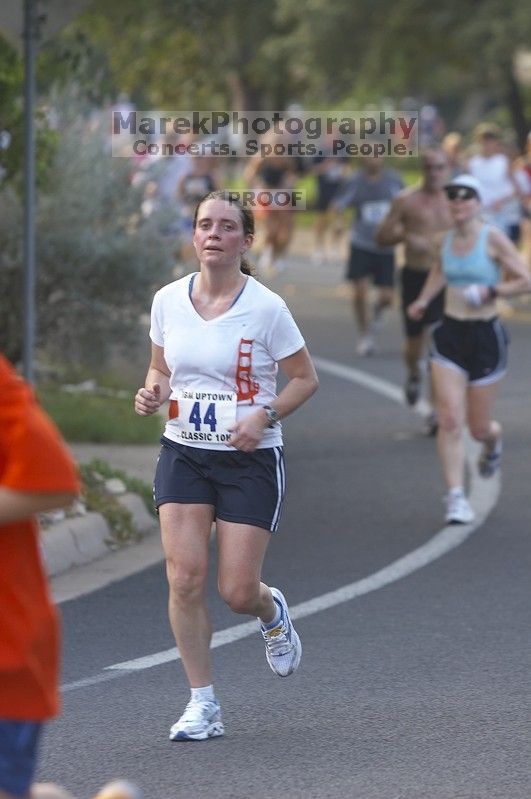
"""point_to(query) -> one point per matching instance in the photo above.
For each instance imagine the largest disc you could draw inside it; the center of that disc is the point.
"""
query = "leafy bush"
(98, 262)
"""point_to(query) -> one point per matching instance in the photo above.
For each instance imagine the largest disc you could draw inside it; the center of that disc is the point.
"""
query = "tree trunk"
(515, 103)
(243, 96)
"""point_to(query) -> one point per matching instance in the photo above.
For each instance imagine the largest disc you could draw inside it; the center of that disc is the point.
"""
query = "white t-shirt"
(235, 352)
(494, 174)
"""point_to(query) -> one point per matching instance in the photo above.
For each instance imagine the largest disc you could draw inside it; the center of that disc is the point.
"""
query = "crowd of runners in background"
(174, 184)
(369, 196)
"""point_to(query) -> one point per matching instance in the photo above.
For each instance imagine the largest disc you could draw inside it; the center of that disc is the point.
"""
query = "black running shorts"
(243, 487)
(412, 282)
(476, 348)
(380, 266)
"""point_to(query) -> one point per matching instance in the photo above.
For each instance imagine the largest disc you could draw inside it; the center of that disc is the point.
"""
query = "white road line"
(366, 380)
(376, 384)
(483, 497)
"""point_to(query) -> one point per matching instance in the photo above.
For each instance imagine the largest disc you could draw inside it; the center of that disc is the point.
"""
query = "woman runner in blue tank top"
(468, 356)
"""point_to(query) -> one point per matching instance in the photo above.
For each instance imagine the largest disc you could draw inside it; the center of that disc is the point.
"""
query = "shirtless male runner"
(415, 218)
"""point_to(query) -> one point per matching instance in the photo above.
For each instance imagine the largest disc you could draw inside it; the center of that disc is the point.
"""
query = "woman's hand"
(147, 401)
(416, 310)
(476, 295)
(248, 432)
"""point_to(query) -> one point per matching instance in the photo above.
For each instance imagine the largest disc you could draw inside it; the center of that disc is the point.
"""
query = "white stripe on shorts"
(501, 366)
(281, 485)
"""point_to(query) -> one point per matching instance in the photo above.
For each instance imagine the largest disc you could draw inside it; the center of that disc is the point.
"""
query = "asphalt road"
(418, 689)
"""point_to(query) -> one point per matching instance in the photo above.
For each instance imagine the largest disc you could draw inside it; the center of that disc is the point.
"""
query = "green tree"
(195, 53)
(12, 120)
(471, 45)
(414, 47)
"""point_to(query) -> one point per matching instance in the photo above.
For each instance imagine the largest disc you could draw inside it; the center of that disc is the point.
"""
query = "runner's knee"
(450, 421)
(386, 296)
(241, 596)
(186, 583)
(480, 430)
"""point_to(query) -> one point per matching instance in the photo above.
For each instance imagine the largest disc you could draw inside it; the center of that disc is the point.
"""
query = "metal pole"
(30, 46)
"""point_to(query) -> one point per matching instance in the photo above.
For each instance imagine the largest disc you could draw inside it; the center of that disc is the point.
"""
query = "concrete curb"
(83, 539)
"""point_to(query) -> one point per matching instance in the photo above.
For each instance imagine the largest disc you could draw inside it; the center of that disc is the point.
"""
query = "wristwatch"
(273, 416)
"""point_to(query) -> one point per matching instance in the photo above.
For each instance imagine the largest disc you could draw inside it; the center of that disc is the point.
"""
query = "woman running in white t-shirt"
(217, 337)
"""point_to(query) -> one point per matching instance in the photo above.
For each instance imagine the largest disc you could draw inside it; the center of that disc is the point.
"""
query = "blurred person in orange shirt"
(36, 474)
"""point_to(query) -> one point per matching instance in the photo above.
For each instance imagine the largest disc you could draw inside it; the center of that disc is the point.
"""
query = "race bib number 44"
(205, 416)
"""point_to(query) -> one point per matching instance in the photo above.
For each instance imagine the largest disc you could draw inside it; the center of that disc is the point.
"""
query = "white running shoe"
(200, 720)
(458, 510)
(365, 346)
(283, 645)
(378, 318)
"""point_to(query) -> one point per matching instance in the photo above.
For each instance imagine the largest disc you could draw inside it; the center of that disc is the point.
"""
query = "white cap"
(469, 182)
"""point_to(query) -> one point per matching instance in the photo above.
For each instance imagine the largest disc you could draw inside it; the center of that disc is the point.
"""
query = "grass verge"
(92, 418)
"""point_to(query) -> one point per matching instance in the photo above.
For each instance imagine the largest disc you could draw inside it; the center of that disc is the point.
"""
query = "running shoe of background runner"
(282, 644)
(490, 458)
(378, 317)
(458, 510)
(365, 346)
(200, 720)
(412, 389)
(431, 424)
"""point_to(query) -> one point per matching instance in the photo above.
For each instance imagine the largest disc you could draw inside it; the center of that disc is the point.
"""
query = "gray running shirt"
(371, 200)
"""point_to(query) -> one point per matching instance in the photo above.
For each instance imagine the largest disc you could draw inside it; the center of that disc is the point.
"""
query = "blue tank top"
(474, 267)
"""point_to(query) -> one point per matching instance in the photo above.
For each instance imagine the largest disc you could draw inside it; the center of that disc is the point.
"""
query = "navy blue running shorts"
(243, 487)
(380, 266)
(476, 348)
(18, 755)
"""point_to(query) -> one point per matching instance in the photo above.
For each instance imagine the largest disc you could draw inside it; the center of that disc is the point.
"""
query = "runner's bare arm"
(250, 171)
(516, 279)
(18, 505)
(434, 284)
(157, 384)
(303, 382)
(391, 230)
